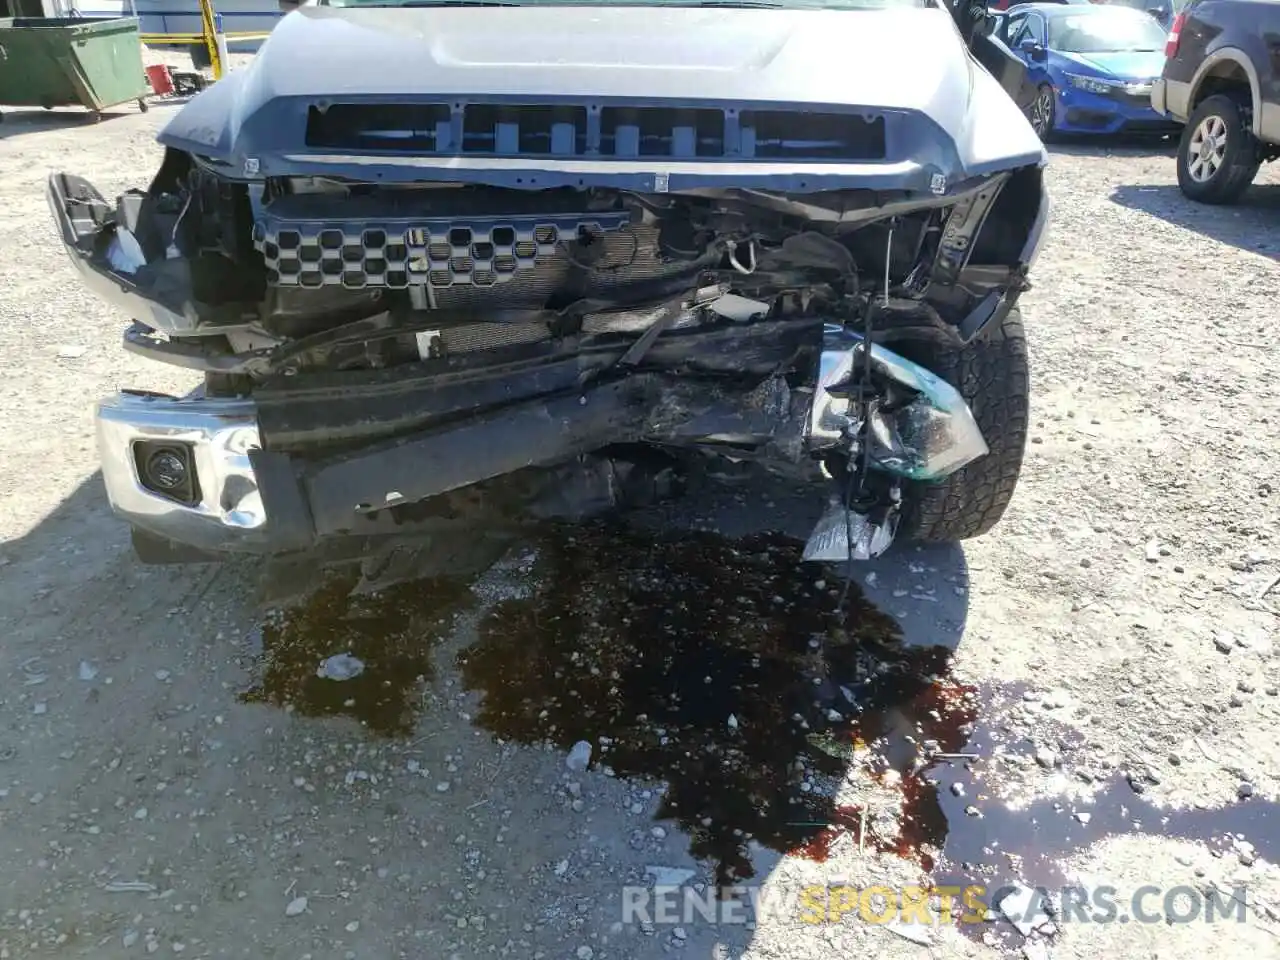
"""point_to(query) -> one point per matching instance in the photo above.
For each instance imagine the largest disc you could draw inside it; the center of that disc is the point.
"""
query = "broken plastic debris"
(841, 534)
(1024, 907)
(740, 309)
(579, 756)
(71, 351)
(124, 252)
(341, 666)
(296, 906)
(87, 670)
(914, 932)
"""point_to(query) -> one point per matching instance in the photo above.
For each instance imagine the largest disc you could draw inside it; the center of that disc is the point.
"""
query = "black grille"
(597, 131)
(398, 253)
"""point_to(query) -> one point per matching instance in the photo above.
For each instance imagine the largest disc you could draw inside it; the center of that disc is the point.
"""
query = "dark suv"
(1220, 81)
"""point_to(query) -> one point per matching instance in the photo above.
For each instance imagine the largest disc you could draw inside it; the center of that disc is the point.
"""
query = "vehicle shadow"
(1120, 145)
(1251, 224)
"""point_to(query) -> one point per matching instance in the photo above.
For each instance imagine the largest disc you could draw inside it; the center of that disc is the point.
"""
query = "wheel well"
(1225, 77)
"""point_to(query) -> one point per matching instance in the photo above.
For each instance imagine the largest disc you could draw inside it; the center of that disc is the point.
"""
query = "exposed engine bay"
(417, 308)
(358, 314)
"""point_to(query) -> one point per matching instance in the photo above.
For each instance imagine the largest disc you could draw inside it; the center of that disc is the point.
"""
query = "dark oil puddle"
(731, 671)
(646, 646)
(717, 666)
(391, 632)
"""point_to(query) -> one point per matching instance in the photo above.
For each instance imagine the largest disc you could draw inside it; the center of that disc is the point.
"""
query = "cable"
(864, 412)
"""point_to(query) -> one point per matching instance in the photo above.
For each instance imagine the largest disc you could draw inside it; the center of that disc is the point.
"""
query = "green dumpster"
(59, 62)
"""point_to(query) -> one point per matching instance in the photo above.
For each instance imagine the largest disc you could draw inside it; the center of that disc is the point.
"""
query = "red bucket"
(160, 78)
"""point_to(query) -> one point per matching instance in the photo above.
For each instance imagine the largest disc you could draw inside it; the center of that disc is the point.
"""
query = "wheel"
(1041, 112)
(992, 375)
(143, 105)
(1217, 155)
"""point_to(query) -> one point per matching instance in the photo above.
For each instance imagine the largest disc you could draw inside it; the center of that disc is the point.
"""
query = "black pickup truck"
(1222, 80)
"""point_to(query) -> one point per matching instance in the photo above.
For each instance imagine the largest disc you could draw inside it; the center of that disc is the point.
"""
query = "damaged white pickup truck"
(445, 260)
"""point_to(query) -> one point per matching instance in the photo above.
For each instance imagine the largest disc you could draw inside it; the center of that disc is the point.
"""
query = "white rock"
(585, 953)
(341, 666)
(579, 756)
(733, 722)
(669, 876)
(295, 907)
(87, 671)
(353, 926)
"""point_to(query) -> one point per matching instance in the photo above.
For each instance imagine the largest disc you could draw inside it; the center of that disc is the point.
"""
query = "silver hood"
(944, 115)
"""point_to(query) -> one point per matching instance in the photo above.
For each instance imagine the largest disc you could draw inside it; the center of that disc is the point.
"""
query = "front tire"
(992, 374)
(1041, 112)
(1217, 154)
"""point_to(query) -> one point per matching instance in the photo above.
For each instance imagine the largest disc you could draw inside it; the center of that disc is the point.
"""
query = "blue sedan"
(1093, 66)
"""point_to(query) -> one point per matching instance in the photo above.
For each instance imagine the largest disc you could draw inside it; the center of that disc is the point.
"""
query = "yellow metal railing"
(208, 37)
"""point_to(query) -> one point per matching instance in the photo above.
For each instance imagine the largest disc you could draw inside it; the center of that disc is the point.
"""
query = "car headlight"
(1091, 84)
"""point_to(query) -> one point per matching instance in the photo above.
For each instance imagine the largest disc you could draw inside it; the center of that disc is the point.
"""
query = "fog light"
(166, 470)
(169, 470)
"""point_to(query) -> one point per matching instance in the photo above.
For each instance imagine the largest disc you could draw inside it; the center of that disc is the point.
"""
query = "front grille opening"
(527, 130)
(661, 132)
(380, 126)
(814, 136)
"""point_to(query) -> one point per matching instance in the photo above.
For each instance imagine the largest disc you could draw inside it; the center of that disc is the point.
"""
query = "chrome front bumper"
(229, 514)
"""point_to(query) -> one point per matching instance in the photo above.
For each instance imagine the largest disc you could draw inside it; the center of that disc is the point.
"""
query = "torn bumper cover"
(242, 498)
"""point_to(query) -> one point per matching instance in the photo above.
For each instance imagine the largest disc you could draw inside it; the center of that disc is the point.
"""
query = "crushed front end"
(426, 310)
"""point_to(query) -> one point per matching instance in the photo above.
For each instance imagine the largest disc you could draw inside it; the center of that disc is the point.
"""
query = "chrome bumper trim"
(221, 433)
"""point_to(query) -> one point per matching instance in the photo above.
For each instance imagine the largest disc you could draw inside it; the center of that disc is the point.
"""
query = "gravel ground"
(1113, 684)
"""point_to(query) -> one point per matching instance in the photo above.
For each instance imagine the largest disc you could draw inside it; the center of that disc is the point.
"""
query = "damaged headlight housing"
(926, 435)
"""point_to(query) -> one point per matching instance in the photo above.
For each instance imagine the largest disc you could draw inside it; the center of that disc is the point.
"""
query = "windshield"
(768, 4)
(1106, 31)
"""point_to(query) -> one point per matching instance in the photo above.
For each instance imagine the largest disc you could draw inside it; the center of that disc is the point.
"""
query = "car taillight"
(1175, 35)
